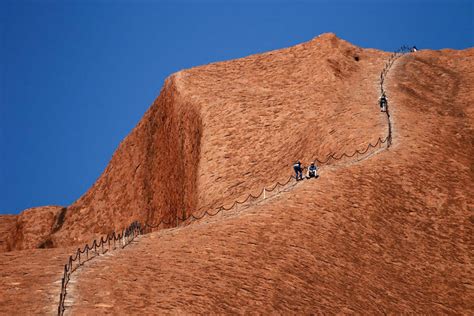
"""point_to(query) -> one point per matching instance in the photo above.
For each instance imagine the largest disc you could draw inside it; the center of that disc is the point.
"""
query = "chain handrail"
(193, 216)
(125, 237)
(383, 74)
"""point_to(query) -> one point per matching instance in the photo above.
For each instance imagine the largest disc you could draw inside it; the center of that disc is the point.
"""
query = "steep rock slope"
(152, 173)
(265, 111)
(220, 131)
(390, 234)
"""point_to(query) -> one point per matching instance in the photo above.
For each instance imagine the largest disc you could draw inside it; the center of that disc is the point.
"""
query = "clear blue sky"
(76, 76)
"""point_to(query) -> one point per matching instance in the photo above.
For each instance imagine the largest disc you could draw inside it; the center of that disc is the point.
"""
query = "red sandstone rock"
(390, 234)
(30, 229)
(7, 229)
(220, 131)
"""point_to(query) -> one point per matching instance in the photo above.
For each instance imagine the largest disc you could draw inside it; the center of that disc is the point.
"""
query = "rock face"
(152, 175)
(31, 229)
(389, 234)
(220, 131)
(7, 227)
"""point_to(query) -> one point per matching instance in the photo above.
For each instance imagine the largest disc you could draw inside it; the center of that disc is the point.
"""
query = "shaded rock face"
(32, 228)
(152, 175)
(7, 228)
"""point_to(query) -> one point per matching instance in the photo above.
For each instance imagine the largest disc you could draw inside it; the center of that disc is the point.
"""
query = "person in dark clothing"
(312, 171)
(298, 170)
(383, 103)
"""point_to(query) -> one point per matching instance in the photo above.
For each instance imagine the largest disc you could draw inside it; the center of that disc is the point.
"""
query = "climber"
(312, 171)
(414, 49)
(383, 103)
(298, 170)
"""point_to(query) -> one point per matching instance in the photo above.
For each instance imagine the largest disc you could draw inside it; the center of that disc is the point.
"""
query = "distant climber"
(312, 171)
(383, 103)
(414, 49)
(298, 170)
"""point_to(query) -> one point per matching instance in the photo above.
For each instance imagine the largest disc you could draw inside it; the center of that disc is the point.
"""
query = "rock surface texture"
(391, 233)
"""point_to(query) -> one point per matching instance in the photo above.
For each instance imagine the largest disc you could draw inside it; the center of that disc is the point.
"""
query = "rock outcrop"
(392, 234)
(387, 235)
(220, 131)
(31, 229)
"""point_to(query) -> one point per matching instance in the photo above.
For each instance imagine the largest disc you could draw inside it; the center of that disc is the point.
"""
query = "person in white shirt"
(312, 171)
